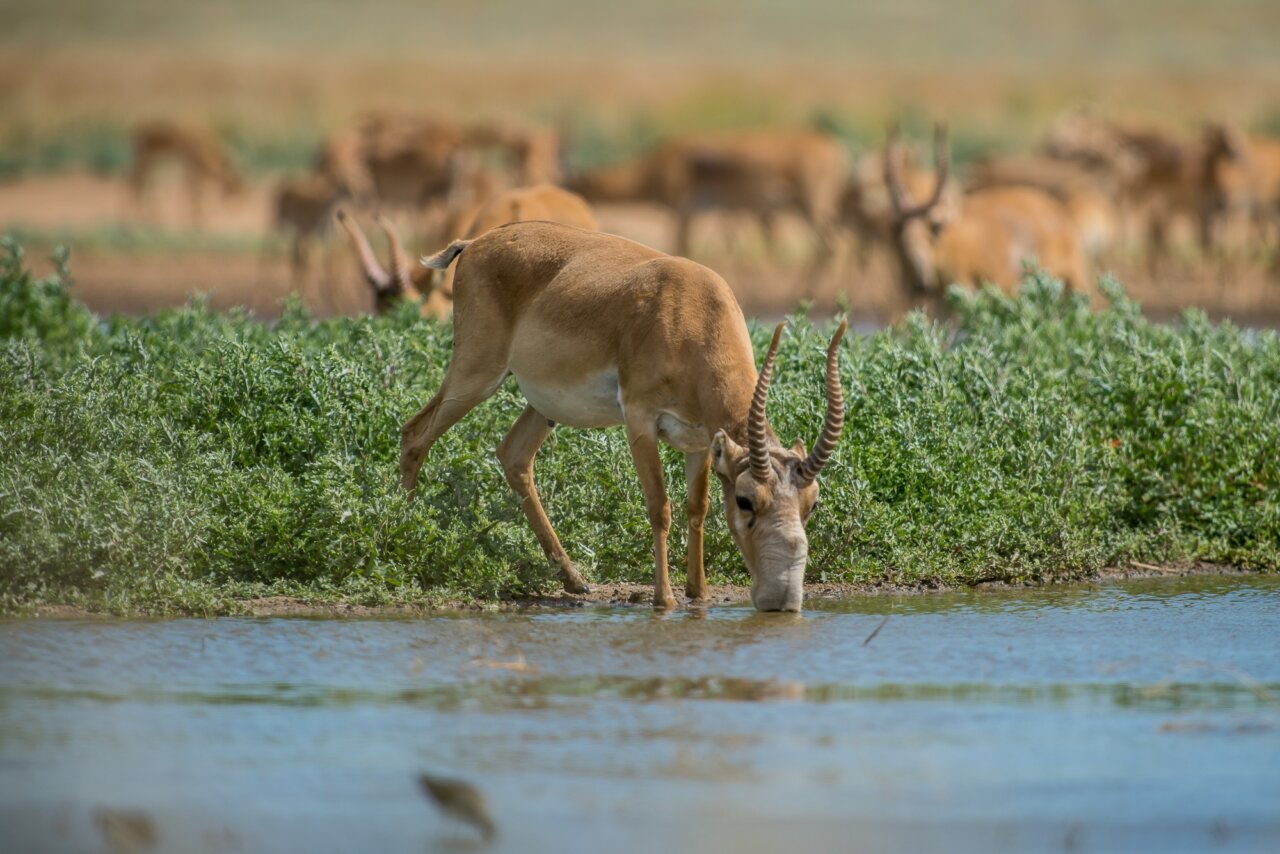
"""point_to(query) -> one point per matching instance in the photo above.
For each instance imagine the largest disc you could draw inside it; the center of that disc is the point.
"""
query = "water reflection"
(1140, 715)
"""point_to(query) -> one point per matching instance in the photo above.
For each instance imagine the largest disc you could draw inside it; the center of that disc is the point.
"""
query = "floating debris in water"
(876, 630)
(125, 831)
(461, 800)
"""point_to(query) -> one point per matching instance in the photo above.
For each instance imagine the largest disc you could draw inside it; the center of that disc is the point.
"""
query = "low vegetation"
(183, 461)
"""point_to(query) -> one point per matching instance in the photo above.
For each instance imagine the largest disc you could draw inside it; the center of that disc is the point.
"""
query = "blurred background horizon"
(272, 81)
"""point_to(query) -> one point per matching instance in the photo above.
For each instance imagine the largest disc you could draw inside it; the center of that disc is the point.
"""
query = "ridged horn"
(399, 260)
(822, 449)
(761, 469)
(893, 181)
(373, 272)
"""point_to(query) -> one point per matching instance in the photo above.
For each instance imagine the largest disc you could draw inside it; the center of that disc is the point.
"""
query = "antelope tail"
(444, 257)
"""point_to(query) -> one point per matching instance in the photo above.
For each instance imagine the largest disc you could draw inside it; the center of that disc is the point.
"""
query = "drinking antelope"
(601, 331)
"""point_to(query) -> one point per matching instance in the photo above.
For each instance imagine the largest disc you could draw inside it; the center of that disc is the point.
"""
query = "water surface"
(1132, 716)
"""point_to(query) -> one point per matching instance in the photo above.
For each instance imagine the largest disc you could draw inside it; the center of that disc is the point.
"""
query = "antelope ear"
(725, 454)
(798, 449)
(1236, 143)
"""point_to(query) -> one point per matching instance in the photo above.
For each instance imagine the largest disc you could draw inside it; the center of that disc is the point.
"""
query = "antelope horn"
(760, 466)
(826, 444)
(893, 181)
(399, 260)
(373, 272)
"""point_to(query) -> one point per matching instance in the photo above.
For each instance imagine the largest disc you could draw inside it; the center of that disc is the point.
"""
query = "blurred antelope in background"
(302, 210)
(761, 173)
(1088, 197)
(199, 155)
(866, 208)
(1157, 174)
(987, 236)
(1241, 183)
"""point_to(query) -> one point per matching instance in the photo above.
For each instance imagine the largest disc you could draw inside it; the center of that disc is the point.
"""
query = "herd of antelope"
(1096, 185)
(598, 330)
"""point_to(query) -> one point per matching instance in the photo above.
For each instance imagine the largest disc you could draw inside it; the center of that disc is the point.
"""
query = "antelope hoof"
(573, 581)
(696, 597)
(663, 600)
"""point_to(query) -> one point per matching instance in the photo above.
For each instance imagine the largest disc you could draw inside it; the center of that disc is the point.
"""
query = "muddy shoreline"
(637, 595)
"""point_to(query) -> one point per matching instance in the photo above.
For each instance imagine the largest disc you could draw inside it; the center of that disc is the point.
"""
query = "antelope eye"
(812, 509)
(745, 504)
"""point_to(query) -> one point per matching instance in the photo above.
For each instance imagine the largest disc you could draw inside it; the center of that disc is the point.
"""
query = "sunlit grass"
(187, 459)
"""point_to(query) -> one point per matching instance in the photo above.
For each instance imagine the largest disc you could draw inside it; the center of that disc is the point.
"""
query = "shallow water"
(1132, 716)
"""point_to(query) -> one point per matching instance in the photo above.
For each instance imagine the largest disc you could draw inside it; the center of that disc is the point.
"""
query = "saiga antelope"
(545, 202)
(201, 157)
(762, 173)
(302, 209)
(600, 331)
(866, 210)
(1088, 197)
(987, 238)
(1241, 180)
(1157, 175)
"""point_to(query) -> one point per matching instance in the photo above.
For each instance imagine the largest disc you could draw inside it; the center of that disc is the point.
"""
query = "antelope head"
(1227, 175)
(916, 227)
(387, 287)
(770, 491)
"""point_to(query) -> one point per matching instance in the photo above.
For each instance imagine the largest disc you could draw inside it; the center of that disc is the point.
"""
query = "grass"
(183, 461)
(102, 146)
(146, 240)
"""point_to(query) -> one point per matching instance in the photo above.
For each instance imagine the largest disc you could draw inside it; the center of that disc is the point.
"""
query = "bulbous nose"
(783, 594)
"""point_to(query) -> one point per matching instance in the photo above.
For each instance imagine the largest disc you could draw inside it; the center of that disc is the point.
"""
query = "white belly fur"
(681, 435)
(593, 402)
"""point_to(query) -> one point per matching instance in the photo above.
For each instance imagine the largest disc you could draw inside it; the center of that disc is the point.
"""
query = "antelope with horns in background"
(601, 331)
(986, 237)
(544, 202)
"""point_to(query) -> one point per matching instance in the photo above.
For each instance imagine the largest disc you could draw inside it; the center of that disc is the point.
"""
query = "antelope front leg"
(516, 453)
(644, 453)
(697, 471)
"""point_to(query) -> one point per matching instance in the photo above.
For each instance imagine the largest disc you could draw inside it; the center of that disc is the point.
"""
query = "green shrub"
(172, 461)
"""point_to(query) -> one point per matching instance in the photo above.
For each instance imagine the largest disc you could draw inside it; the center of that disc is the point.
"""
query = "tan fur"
(599, 330)
(866, 209)
(199, 154)
(410, 162)
(544, 202)
(303, 210)
(533, 152)
(341, 160)
(1088, 197)
(1241, 180)
(1157, 174)
(988, 237)
(762, 173)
